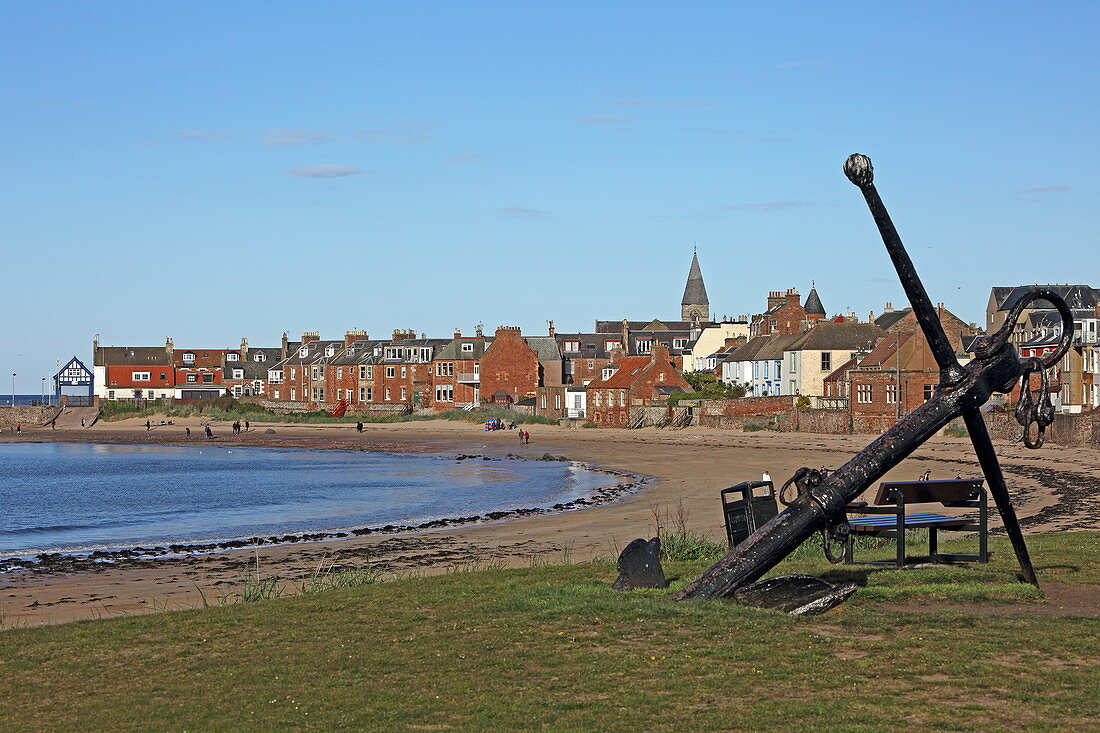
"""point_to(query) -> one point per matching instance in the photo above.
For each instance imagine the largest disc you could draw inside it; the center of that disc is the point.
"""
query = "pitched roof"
(545, 347)
(831, 336)
(1076, 296)
(813, 303)
(695, 292)
(748, 351)
(654, 325)
(888, 319)
(130, 355)
(454, 350)
(776, 345)
(884, 350)
(837, 375)
(629, 367)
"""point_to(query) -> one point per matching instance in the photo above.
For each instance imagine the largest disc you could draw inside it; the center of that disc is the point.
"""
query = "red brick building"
(784, 315)
(456, 372)
(515, 369)
(630, 382)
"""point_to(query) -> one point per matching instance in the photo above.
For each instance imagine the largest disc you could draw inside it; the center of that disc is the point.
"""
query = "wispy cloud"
(325, 171)
(602, 119)
(205, 136)
(468, 158)
(524, 213)
(1045, 189)
(772, 206)
(633, 102)
(798, 64)
(281, 136)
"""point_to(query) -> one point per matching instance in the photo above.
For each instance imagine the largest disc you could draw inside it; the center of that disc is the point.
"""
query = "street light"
(42, 396)
(13, 389)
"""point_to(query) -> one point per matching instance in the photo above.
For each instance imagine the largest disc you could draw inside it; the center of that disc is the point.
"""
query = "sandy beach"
(1053, 489)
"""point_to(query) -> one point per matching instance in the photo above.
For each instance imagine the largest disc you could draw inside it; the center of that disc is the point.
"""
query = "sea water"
(58, 497)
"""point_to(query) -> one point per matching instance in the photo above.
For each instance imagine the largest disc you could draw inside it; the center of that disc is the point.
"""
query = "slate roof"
(592, 345)
(1076, 296)
(695, 292)
(453, 350)
(254, 369)
(813, 303)
(130, 356)
(546, 347)
(749, 350)
(886, 320)
(654, 325)
(773, 350)
(838, 336)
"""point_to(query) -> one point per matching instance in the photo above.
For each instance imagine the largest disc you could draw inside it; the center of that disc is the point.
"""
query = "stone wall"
(28, 416)
(753, 406)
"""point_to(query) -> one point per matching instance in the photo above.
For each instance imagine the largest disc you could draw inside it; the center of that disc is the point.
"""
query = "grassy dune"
(551, 647)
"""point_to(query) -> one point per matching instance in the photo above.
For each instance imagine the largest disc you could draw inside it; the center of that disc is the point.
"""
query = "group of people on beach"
(237, 427)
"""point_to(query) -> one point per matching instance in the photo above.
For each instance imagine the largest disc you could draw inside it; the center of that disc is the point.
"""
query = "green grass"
(229, 409)
(553, 648)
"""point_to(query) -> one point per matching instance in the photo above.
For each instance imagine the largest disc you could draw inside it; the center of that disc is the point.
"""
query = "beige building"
(822, 349)
(712, 339)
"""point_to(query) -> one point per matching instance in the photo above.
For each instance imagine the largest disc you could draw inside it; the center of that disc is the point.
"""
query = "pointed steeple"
(695, 305)
(813, 306)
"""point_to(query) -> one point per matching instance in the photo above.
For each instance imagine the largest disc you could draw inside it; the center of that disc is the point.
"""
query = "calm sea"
(79, 497)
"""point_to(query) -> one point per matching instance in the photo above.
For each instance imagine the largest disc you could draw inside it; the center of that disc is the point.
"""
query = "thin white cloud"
(632, 102)
(281, 136)
(523, 212)
(468, 158)
(746, 135)
(1045, 189)
(772, 206)
(798, 64)
(325, 171)
(602, 119)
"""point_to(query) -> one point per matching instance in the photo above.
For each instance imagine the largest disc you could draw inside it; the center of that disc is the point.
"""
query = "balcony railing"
(469, 378)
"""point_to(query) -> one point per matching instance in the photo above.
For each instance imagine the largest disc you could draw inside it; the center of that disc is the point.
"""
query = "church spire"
(695, 305)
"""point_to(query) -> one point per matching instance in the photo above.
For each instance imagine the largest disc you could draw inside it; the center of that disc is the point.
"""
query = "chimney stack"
(169, 348)
(309, 337)
(285, 345)
(350, 337)
(550, 329)
(479, 331)
(792, 297)
(775, 297)
(889, 308)
(458, 333)
(244, 348)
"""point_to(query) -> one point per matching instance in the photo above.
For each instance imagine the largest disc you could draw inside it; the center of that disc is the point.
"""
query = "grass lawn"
(551, 647)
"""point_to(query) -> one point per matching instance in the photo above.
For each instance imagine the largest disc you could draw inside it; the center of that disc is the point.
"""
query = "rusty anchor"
(821, 500)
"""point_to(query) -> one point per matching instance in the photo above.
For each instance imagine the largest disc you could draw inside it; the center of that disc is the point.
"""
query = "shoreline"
(617, 485)
(1052, 489)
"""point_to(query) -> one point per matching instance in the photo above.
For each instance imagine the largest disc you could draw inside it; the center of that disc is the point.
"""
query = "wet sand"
(1054, 488)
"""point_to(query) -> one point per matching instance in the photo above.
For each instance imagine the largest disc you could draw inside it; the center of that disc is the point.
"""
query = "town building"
(633, 382)
(712, 339)
(456, 372)
(515, 370)
(819, 351)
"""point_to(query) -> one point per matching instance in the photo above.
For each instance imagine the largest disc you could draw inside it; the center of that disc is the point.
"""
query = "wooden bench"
(746, 508)
(893, 502)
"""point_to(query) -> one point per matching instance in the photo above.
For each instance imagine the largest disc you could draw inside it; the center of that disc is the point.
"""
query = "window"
(370, 394)
(928, 390)
(477, 369)
(645, 345)
(340, 394)
(349, 351)
(612, 345)
(467, 347)
(237, 390)
(313, 371)
(293, 394)
(238, 373)
(163, 376)
(321, 394)
(444, 393)
(191, 378)
(232, 357)
(572, 345)
(543, 402)
(259, 356)
(661, 377)
(329, 351)
(864, 394)
(362, 394)
(110, 394)
(390, 372)
(404, 393)
(389, 394)
(188, 358)
(891, 394)
(303, 351)
(599, 399)
(826, 361)
(557, 402)
(679, 343)
(370, 372)
(277, 394)
(141, 376)
(403, 372)
(339, 372)
(208, 378)
(294, 372)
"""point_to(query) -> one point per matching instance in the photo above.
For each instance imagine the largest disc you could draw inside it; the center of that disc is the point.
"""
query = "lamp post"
(13, 389)
(43, 396)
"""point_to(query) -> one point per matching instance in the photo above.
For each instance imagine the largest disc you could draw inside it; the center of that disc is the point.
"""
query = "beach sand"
(1054, 488)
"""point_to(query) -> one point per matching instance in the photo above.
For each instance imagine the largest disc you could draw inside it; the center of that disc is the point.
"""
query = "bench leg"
(933, 545)
(901, 541)
(848, 554)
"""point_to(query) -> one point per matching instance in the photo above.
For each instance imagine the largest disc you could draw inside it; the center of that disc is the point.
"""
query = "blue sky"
(214, 170)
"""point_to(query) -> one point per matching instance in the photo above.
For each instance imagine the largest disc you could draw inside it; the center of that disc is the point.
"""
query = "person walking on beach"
(188, 433)
(247, 426)
(148, 425)
(359, 427)
(53, 423)
(19, 427)
(521, 434)
(526, 437)
(82, 423)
